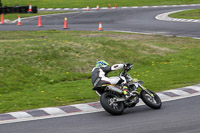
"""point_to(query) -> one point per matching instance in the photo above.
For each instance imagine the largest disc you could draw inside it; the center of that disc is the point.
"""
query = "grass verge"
(53, 68)
(189, 14)
(14, 16)
(93, 3)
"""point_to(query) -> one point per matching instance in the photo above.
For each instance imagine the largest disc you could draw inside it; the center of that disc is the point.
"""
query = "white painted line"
(53, 111)
(196, 38)
(50, 8)
(162, 96)
(174, 5)
(152, 33)
(58, 9)
(178, 92)
(182, 20)
(189, 20)
(181, 97)
(146, 33)
(175, 19)
(140, 103)
(20, 114)
(133, 32)
(182, 5)
(145, 6)
(47, 117)
(180, 36)
(194, 5)
(196, 21)
(165, 17)
(84, 107)
(40, 9)
(197, 88)
(165, 6)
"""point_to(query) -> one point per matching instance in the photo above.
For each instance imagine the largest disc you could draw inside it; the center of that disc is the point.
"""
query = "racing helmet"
(101, 63)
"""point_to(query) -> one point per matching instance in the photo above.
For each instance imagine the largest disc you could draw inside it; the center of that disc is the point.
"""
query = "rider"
(100, 76)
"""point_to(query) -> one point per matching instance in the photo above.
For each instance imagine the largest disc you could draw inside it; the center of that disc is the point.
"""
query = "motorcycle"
(114, 101)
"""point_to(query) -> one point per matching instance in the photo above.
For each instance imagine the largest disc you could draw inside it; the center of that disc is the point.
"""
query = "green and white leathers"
(100, 74)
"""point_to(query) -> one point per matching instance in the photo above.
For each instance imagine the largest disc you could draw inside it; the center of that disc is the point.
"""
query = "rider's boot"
(126, 92)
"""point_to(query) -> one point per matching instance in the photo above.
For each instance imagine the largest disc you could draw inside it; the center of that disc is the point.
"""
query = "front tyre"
(108, 102)
(153, 102)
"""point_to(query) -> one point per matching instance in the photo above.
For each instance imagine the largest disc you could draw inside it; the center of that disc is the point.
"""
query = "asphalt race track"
(179, 116)
(131, 19)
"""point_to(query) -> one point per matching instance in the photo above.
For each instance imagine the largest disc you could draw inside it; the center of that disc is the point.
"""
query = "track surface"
(134, 20)
(180, 116)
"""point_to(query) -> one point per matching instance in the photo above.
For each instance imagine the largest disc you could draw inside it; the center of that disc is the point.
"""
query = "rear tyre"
(107, 101)
(152, 102)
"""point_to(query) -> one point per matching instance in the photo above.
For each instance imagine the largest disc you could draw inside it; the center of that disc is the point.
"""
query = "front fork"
(146, 90)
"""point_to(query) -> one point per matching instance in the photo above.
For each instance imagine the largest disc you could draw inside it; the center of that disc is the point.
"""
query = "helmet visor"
(102, 63)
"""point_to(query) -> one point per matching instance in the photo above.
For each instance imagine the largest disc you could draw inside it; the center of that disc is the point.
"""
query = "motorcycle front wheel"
(153, 102)
(108, 102)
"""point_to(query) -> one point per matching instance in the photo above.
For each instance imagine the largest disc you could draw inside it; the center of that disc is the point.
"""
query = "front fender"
(136, 84)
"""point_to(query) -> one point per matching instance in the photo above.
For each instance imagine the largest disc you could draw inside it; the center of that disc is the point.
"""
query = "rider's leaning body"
(100, 74)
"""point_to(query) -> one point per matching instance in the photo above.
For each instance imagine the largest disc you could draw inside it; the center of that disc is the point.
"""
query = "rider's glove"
(127, 65)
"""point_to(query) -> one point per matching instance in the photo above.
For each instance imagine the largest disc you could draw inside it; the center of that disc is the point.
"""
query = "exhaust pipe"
(115, 89)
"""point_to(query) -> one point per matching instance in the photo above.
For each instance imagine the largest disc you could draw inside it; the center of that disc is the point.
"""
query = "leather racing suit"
(100, 76)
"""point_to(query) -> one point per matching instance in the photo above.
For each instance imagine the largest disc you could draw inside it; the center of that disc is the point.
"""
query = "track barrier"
(17, 9)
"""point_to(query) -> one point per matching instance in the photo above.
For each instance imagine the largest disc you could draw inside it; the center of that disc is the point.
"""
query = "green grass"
(93, 3)
(53, 68)
(14, 16)
(189, 14)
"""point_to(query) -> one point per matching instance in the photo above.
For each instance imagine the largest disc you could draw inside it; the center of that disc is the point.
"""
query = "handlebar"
(127, 67)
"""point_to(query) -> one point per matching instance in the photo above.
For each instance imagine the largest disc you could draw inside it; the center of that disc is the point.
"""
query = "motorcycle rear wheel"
(108, 103)
(152, 102)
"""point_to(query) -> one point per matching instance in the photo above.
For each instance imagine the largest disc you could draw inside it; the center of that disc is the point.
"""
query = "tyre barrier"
(17, 9)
